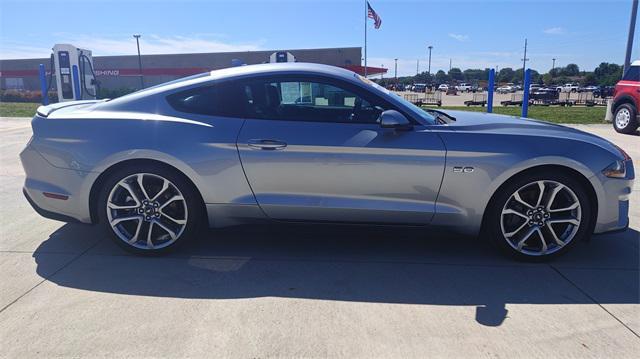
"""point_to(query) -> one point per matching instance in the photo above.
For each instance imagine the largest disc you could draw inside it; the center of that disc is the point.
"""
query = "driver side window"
(292, 100)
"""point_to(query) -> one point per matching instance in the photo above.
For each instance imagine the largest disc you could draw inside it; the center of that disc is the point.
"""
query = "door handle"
(267, 144)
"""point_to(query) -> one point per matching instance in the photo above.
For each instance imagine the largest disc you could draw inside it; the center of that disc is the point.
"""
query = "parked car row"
(598, 91)
(462, 87)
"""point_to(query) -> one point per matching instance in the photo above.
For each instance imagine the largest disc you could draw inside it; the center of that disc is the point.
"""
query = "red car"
(626, 101)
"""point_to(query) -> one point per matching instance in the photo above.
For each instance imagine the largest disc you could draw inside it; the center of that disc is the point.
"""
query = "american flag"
(377, 21)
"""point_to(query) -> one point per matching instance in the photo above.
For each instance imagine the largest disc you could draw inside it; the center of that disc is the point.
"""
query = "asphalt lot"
(307, 291)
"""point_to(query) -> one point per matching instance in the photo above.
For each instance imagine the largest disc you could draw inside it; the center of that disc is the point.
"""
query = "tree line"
(606, 74)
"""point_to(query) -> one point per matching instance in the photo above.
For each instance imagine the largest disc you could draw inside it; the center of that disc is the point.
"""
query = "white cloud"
(555, 31)
(17, 51)
(459, 37)
(126, 45)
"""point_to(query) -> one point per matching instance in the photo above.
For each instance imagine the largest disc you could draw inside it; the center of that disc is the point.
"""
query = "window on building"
(14, 83)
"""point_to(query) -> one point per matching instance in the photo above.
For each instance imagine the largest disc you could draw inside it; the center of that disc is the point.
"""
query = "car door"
(312, 150)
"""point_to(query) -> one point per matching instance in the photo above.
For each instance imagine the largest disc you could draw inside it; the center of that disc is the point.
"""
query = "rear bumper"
(45, 187)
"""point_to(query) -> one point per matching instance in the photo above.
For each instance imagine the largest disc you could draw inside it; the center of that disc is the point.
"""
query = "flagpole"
(366, 13)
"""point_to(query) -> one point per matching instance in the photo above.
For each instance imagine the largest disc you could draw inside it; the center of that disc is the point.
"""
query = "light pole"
(381, 70)
(632, 27)
(553, 66)
(396, 72)
(137, 36)
(524, 59)
(429, 68)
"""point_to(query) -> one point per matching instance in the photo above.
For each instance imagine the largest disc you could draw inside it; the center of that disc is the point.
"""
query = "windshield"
(415, 109)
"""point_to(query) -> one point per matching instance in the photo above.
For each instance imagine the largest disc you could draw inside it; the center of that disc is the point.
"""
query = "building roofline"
(207, 53)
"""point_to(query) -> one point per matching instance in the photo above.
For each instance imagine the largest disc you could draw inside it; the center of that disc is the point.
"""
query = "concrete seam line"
(593, 300)
(47, 278)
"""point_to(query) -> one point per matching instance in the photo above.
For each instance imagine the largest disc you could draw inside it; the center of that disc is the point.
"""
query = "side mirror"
(394, 119)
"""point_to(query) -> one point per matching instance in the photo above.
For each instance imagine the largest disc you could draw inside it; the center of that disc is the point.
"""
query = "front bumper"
(43, 179)
(613, 201)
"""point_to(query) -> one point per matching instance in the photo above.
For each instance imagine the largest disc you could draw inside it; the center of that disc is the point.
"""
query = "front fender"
(495, 159)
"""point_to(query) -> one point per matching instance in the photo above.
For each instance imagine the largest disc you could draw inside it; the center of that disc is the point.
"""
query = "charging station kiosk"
(74, 74)
(282, 56)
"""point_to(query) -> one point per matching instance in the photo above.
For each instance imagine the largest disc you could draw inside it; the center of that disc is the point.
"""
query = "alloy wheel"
(147, 211)
(541, 217)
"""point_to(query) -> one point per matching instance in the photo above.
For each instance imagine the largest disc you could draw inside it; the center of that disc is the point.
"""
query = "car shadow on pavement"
(353, 264)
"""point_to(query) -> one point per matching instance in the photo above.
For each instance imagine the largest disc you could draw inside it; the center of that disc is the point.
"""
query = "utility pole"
(449, 64)
(429, 69)
(524, 59)
(632, 28)
(396, 72)
(554, 64)
(381, 71)
(417, 66)
(137, 36)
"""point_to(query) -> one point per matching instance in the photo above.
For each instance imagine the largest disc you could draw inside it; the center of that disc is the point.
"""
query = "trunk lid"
(45, 111)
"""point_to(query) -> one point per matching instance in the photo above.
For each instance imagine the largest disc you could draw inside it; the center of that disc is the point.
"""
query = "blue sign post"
(525, 96)
(76, 82)
(43, 84)
(492, 75)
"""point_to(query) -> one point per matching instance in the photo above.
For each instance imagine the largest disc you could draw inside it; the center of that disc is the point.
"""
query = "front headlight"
(616, 170)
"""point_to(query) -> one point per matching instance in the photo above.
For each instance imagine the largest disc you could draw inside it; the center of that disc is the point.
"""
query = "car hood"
(481, 122)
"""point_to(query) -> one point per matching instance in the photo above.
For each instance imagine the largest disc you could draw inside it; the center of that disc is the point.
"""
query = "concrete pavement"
(307, 291)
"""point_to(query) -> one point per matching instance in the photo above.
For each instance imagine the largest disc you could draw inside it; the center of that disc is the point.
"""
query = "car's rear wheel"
(539, 216)
(148, 209)
(624, 119)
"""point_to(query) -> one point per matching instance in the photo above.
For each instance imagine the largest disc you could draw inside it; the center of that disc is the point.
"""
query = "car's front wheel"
(539, 216)
(624, 119)
(148, 209)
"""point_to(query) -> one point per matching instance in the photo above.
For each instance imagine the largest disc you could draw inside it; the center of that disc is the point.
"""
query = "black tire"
(192, 200)
(492, 226)
(623, 110)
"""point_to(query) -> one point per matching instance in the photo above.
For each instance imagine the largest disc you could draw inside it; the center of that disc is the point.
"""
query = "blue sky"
(474, 34)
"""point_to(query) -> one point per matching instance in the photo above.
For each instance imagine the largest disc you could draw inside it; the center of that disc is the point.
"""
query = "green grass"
(552, 114)
(573, 114)
(18, 109)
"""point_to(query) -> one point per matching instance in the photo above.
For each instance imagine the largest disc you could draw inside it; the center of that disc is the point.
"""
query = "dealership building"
(123, 72)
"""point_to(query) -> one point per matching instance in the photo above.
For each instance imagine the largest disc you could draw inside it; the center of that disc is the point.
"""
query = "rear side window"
(224, 99)
(632, 74)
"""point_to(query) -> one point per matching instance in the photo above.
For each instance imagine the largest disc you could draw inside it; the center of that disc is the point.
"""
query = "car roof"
(635, 63)
(239, 71)
(283, 67)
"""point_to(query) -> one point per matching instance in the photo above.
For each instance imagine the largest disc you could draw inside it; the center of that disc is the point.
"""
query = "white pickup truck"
(463, 87)
(568, 88)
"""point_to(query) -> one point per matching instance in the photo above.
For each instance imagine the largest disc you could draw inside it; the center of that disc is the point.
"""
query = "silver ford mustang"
(314, 143)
